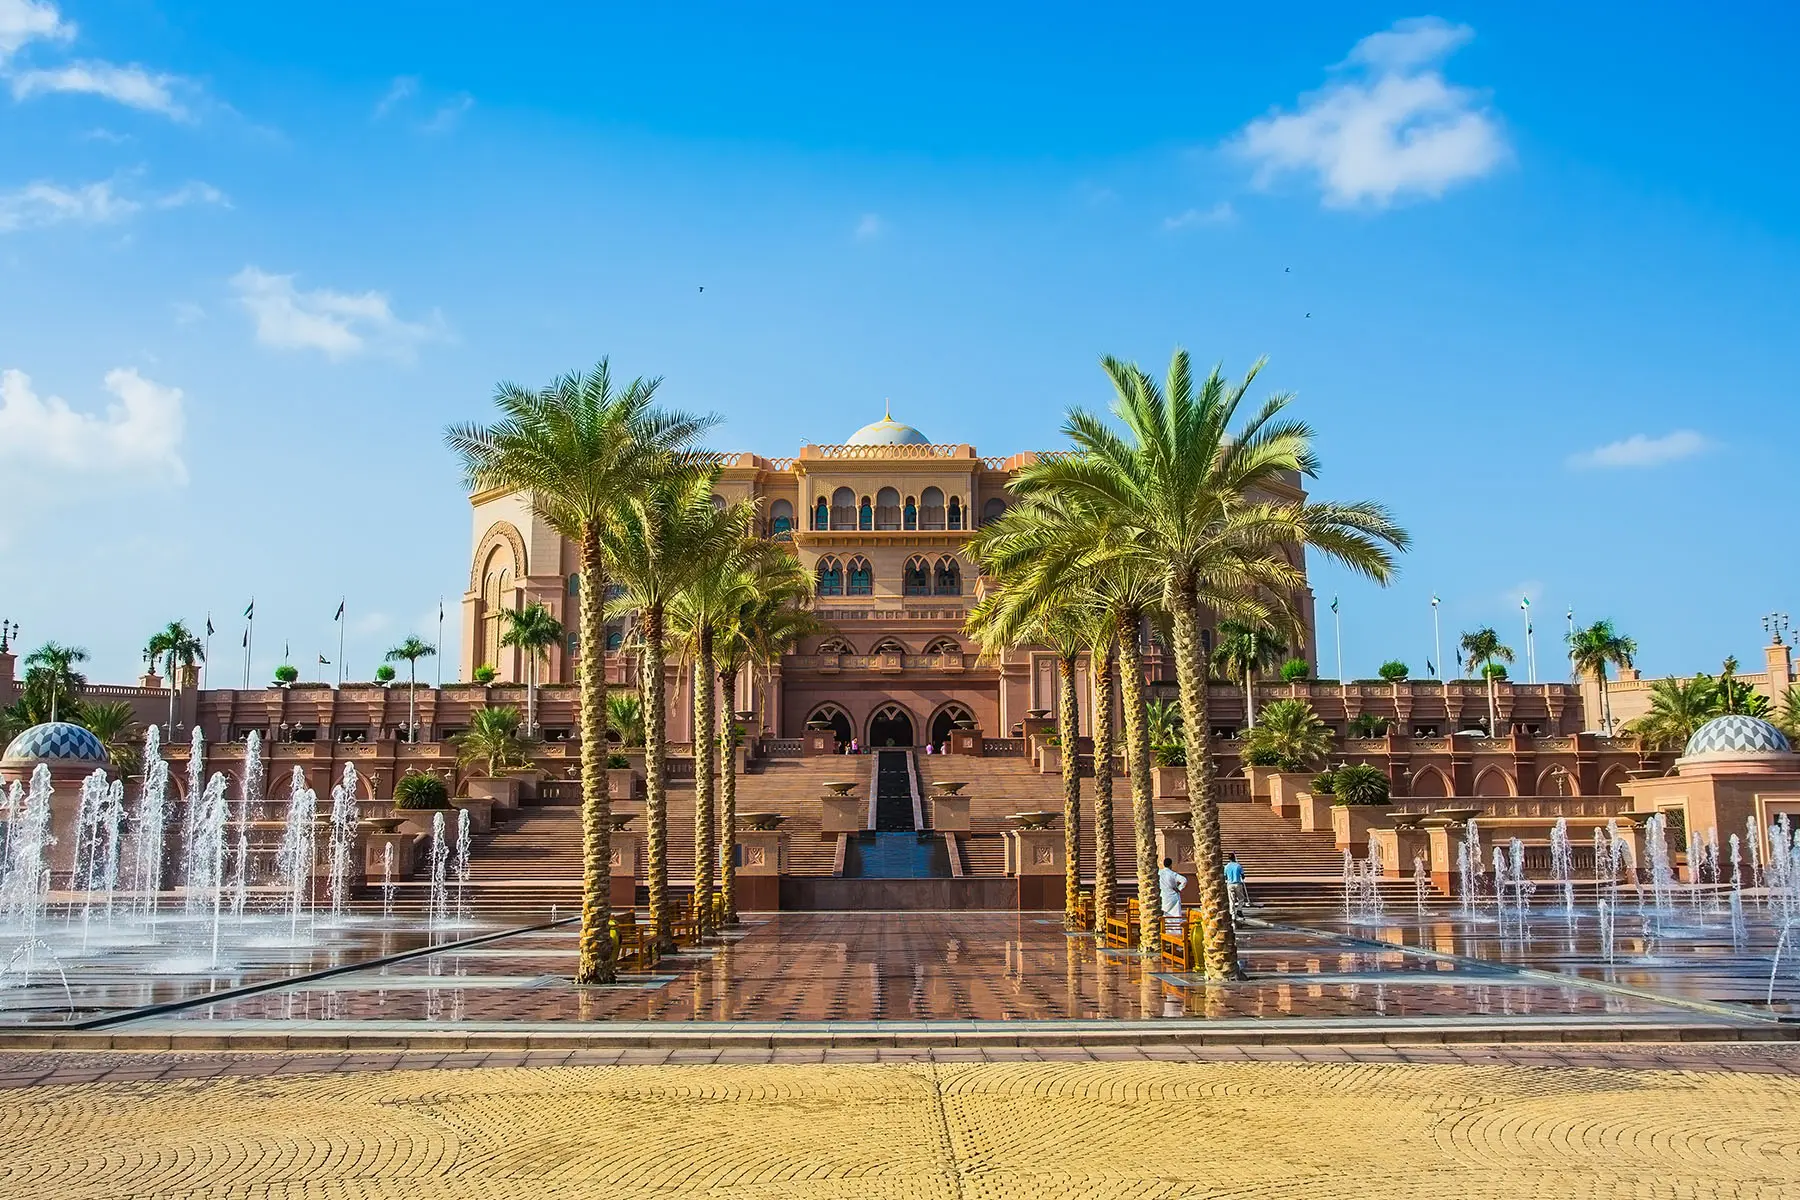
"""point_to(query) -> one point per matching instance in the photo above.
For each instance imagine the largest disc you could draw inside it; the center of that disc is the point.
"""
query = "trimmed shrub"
(384, 674)
(286, 674)
(617, 762)
(485, 674)
(1394, 670)
(1294, 670)
(421, 790)
(1360, 783)
(1324, 784)
(1171, 755)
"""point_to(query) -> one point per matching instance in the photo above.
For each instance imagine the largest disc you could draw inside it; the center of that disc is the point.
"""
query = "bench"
(1121, 930)
(1180, 946)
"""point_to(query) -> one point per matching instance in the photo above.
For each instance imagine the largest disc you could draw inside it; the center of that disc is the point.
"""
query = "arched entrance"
(890, 726)
(945, 721)
(839, 721)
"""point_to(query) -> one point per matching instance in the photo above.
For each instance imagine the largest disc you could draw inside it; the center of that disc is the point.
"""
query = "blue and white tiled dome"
(57, 741)
(887, 432)
(1737, 735)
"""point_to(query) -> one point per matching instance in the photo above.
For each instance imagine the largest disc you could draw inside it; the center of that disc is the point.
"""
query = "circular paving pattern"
(1130, 1129)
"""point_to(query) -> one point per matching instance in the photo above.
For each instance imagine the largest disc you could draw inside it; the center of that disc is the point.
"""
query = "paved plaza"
(1320, 1122)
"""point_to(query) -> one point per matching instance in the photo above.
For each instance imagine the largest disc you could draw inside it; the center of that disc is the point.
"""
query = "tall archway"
(1493, 782)
(946, 720)
(1428, 783)
(887, 508)
(931, 508)
(835, 717)
(843, 509)
(891, 725)
(916, 577)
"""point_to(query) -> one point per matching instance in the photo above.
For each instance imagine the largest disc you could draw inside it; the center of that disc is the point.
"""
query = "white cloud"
(102, 134)
(339, 325)
(869, 227)
(1219, 214)
(24, 21)
(449, 115)
(1640, 450)
(131, 86)
(187, 312)
(43, 203)
(404, 87)
(136, 440)
(194, 192)
(1395, 130)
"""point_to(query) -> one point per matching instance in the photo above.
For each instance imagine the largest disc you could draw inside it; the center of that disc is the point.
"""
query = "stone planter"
(528, 781)
(1314, 812)
(1285, 788)
(1050, 760)
(621, 783)
(1259, 778)
(481, 812)
(1351, 823)
(1168, 782)
(418, 820)
(950, 813)
(504, 791)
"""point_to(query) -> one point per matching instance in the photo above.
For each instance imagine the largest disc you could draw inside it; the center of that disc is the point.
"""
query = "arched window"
(831, 577)
(496, 585)
(946, 720)
(836, 645)
(862, 577)
(887, 509)
(718, 502)
(575, 587)
(865, 515)
(931, 509)
(781, 520)
(843, 509)
(955, 513)
(946, 580)
(822, 515)
(910, 514)
(615, 637)
(574, 646)
(944, 645)
(834, 717)
(888, 645)
(990, 512)
(916, 578)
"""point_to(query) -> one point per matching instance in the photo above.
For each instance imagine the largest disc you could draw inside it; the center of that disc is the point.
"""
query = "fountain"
(344, 813)
(294, 861)
(463, 913)
(388, 883)
(437, 908)
(1562, 864)
(249, 802)
(147, 848)
(25, 889)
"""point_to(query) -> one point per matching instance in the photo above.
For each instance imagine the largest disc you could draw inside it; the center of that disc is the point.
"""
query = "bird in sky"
(703, 287)
(1287, 270)
(1309, 315)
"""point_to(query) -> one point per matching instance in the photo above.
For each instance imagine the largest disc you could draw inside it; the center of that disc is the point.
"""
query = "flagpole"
(1570, 617)
(340, 625)
(439, 656)
(249, 640)
(1530, 650)
(1337, 627)
(1437, 638)
(206, 652)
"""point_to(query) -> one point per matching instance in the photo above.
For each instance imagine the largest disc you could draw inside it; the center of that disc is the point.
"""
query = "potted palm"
(489, 751)
(417, 796)
(1283, 750)
(1361, 803)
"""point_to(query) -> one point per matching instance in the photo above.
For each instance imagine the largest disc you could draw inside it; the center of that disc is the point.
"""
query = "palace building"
(883, 521)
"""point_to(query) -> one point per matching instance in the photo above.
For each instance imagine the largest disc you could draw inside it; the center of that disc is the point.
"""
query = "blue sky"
(254, 257)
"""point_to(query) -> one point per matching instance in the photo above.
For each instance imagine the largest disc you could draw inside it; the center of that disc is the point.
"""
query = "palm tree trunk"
(728, 799)
(596, 959)
(705, 739)
(171, 695)
(1104, 884)
(1605, 704)
(656, 784)
(1218, 934)
(412, 713)
(1249, 701)
(531, 696)
(1143, 804)
(1069, 728)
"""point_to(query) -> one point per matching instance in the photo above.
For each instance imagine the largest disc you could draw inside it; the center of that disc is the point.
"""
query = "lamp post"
(1774, 624)
(8, 636)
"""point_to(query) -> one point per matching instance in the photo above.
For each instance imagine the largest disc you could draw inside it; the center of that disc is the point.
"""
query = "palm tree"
(1677, 708)
(1243, 650)
(696, 615)
(116, 726)
(177, 645)
(625, 717)
(1197, 502)
(1291, 734)
(579, 450)
(533, 630)
(1787, 717)
(660, 536)
(411, 650)
(493, 741)
(53, 668)
(1020, 615)
(1593, 650)
(771, 587)
(1065, 550)
(1481, 647)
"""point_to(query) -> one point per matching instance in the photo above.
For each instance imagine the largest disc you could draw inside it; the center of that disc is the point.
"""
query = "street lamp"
(1774, 624)
(7, 637)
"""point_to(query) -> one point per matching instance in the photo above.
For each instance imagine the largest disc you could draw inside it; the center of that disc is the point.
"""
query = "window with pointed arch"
(865, 516)
(862, 577)
(946, 578)
(916, 577)
(956, 513)
(830, 577)
(909, 514)
(835, 645)
(944, 646)
(888, 645)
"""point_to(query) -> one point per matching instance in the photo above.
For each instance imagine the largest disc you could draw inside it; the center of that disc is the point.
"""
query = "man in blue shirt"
(1235, 892)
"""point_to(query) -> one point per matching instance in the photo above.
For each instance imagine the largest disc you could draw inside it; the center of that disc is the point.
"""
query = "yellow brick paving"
(918, 1131)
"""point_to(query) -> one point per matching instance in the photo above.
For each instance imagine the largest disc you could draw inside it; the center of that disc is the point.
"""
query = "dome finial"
(887, 409)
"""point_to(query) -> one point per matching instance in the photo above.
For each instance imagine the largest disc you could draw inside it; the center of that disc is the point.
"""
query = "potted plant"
(621, 780)
(286, 674)
(1361, 801)
(384, 674)
(1288, 738)
(485, 674)
(416, 793)
(490, 749)
(1168, 774)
